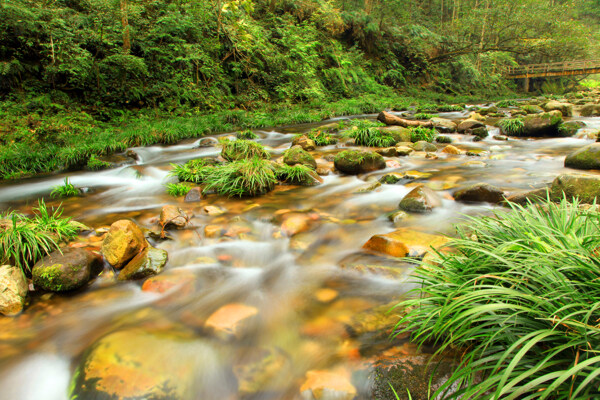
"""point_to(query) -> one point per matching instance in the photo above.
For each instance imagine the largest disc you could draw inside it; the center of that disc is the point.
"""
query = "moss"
(243, 150)
(296, 155)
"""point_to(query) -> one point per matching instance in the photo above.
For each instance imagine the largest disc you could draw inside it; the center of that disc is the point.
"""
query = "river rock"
(480, 133)
(476, 116)
(566, 109)
(172, 216)
(583, 186)
(231, 320)
(420, 200)
(374, 263)
(305, 143)
(122, 242)
(422, 145)
(532, 196)
(387, 152)
(400, 134)
(194, 195)
(296, 155)
(587, 157)
(480, 192)
(451, 150)
(150, 261)
(263, 370)
(69, 270)
(14, 290)
(294, 224)
(545, 124)
(444, 125)
(468, 125)
(403, 151)
(354, 162)
(532, 109)
(328, 385)
(391, 178)
(405, 242)
(208, 142)
(590, 110)
(153, 364)
(179, 280)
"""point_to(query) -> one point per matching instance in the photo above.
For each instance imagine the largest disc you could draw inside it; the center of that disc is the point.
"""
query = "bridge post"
(526, 84)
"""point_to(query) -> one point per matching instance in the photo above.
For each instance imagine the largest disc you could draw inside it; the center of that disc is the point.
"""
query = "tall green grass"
(519, 300)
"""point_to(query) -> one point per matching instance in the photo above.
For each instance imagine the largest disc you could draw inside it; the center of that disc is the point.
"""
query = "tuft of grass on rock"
(420, 133)
(243, 178)
(246, 135)
(194, 171)
(424, 116)
(512, 126)
(178, 189)
(297, 174)
(234, 150)
(65, 190)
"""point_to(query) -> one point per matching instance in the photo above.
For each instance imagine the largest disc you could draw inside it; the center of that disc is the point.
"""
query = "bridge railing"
(534, 69)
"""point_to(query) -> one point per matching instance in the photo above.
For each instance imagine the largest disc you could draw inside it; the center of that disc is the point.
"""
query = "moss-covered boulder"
(587, 157)
(480, 192)
(590, 110)
(157, 365)
(469, 124)
(532, 109)
(566, 109)
(545, 124)
(585, 187)
(400, 134)
(354, 162)
(568, 129)
(14, 290)
(422, 145)
(304, 142)
(123, 242)
(444, 125)
(65, 270)
(149, 262)
(297, 155)
(420, 200)
(531, 196)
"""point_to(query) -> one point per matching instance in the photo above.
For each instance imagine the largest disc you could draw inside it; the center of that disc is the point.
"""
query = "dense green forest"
(69, 66)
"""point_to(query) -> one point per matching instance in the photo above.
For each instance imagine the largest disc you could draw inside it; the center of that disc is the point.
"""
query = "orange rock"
(213, 231)
(404, 242)
(451, 150)
(184, 281)
(295, 223)
(231, 319)
(326, 295)
(124, 240)
(322, 385)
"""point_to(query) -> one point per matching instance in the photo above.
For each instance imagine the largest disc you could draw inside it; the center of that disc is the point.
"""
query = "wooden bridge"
(565, 68)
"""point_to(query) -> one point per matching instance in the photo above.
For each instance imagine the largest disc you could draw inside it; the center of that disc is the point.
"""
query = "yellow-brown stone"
(405, 242)
(123, 242)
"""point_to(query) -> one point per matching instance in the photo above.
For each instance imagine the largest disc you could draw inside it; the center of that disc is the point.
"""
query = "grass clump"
(178, 189)
(66, 190)
(322, 137)
(194, 171)
(243, 178)
(25, 240)
(519, 298)
(234, 150)
(420, 133)
(507, 103)
(512, 126)
(422, 116)
(246, 135)
(297, 174)
(367, 133)
(95, 164)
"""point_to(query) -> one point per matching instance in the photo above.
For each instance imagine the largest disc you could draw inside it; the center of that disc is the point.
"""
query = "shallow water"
(311, 312)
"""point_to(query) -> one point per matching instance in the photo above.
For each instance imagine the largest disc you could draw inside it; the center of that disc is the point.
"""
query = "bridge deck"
(565, 68)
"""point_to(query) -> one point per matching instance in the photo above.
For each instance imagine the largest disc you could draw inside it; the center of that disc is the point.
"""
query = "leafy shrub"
(95, 164)
(519, 297)
(422, 133)
(248, 177)
(66, 190)
(24, 240)
(247, 135)
(512, 126)
(449, 108)
(178, 189)
(234, 150)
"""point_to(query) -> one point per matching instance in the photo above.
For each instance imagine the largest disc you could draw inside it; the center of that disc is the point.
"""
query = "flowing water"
(315, 312)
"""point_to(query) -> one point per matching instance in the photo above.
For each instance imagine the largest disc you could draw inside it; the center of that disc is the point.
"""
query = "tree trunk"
(390, 119)
(125, 23)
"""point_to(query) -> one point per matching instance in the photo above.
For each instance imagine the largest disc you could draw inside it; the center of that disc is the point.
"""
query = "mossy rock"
(542, 125)
(422, 145)
(532, 109)
(149, 262)
(66, 270)
(584, 187)
(480, 192)
(399, 133)
(297, 155)
(587, 157)
(566, 109)
(568, 129)
(420, 200)
(354, 162)
(590, 110)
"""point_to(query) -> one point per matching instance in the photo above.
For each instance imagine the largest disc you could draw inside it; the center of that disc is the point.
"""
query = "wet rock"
(354, 162)
(175, 280)
(444, 125)
(398, 217)
(583, 186)
(590, 110)
(387, 152)
(263, 370)
(399, 133)
(296, 155)
(532, 109)
(304, 142)
(568, 129)
(469, 124)
(122, 242)
(294, 224)
(231, 320)
(213, 211)
(566, 109)
(150, 261)
(373, 186)
(545, 124)
(172, 216)
(532, 196)
(420, 200)
(391, 178)
(14, 290)
(208, 142)
(422, 145)
(391, 119)
(480, 133)
(377, 264)
(403, 151)
(500, 137)
(69, 270)
(415, 175)
(405, 242)
(158, 365)
(194, 195)
(451, 150)
(480, 192)
(475, 164)
(132, 154)
(587, 157)
(328, 385)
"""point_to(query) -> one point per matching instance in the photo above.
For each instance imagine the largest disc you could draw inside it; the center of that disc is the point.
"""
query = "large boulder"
(590, 110)
(123, 242)
(469, 124)
(296, 155)
(158, 365)
(480, 192)
(587, 157)
(399, 133)
(420, 200)
(304, 142)
(444, 125)
(566, 109)
(150, 261)
(544, 124)
(583, 186)
(65, 270)
(354, 162)
(405, 242)
(531, 196)
(14, 290)
(422, 145)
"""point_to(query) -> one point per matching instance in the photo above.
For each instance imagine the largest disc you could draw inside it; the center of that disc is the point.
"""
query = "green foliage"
(367, 133)
(240, 149)
(178, 189)
(507, 103)
(297, 174)
(443, 139)
(512, 126)
(66, 190)
(529, 109)
(25, 240)
(422, 116)
(247, 135)
(422, 133)
(322, 138)
(245, 177)
(519, 299)
(95, 164)
(194, 171)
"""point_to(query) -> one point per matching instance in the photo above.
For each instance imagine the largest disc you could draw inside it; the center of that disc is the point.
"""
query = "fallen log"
(390, 119)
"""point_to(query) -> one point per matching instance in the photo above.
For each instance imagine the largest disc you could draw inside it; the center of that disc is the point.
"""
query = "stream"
(318, 314)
